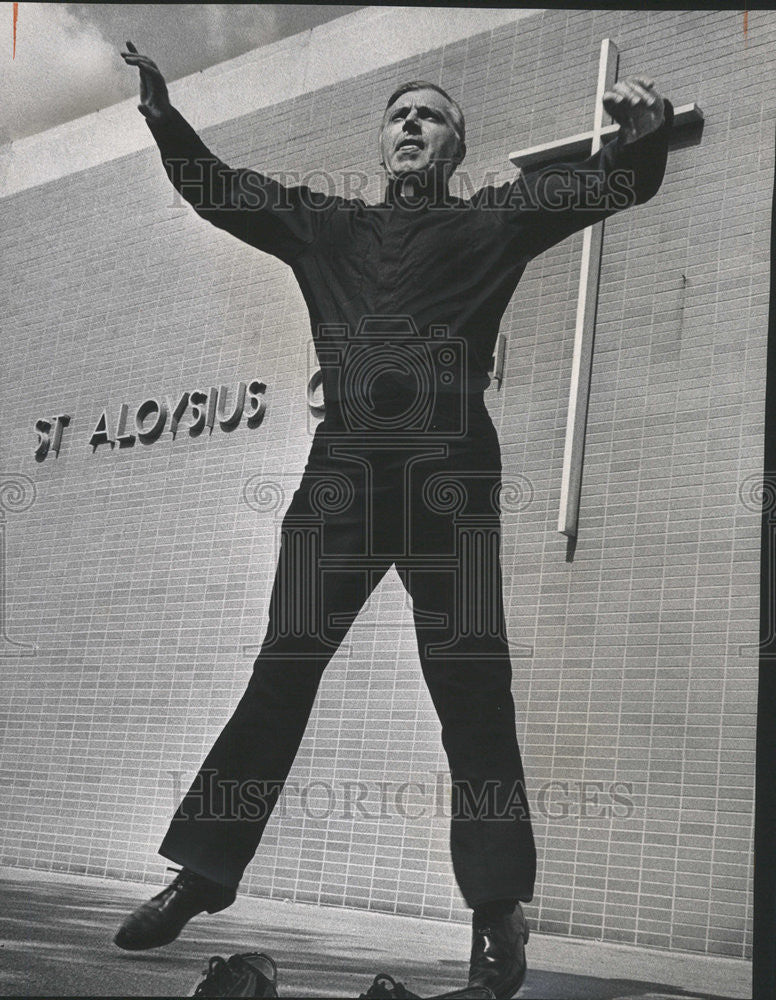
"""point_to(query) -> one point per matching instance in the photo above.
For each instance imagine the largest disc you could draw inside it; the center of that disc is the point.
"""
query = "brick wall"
(142, 575)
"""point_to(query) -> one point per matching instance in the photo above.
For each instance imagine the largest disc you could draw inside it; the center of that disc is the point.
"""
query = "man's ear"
(461, 153)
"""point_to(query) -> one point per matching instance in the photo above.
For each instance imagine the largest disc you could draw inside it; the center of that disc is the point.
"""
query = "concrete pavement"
(56, 931)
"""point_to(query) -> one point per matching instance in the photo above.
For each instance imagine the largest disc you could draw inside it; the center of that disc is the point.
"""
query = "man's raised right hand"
(154, 99)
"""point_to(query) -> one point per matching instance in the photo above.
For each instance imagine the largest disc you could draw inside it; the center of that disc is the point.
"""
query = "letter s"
(256, 399)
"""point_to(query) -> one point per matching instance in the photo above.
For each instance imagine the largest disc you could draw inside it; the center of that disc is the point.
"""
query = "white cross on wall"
(585, 144)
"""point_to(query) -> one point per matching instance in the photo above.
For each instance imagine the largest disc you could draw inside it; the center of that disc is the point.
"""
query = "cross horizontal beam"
(575, 145)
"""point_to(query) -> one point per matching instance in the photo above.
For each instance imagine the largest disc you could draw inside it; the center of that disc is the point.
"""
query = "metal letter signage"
(149, 420)
(49, 435)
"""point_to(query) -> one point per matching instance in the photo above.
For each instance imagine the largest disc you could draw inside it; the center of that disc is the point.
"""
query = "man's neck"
(417, 190)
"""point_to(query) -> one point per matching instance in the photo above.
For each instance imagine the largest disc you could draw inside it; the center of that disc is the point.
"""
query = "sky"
(67, 61)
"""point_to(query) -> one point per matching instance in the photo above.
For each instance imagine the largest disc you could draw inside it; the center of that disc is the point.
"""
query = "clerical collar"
(416, 190)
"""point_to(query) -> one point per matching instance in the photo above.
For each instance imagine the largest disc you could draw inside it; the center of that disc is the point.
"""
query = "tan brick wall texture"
(142, 574)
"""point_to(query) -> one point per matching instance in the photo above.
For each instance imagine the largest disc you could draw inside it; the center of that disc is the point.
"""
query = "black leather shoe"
(251, 974)
(163, 917)
(498, 953)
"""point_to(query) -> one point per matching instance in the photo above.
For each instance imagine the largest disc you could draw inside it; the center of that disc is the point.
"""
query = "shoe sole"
(130, 946)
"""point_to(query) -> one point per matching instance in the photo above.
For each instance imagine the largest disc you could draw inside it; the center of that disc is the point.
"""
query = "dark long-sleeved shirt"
(439, 261)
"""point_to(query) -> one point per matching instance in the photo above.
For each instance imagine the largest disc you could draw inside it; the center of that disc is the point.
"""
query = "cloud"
(67, 54)
(64, 67)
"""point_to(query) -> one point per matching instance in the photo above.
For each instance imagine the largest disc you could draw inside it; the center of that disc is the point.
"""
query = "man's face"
(417, 132)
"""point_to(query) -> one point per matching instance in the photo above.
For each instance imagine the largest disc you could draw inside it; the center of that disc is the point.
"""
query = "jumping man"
(405, 299)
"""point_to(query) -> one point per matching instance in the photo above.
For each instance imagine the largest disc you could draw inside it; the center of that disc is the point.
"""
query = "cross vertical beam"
(584, 335)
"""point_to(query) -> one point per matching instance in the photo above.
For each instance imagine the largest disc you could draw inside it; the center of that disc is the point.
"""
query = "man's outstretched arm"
(283, 221)
(546, 205)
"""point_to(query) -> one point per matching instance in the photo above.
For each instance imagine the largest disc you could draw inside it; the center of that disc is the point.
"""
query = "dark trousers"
(433, 512)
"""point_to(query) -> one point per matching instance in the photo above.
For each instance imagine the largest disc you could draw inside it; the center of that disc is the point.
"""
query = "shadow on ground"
(56, 940)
